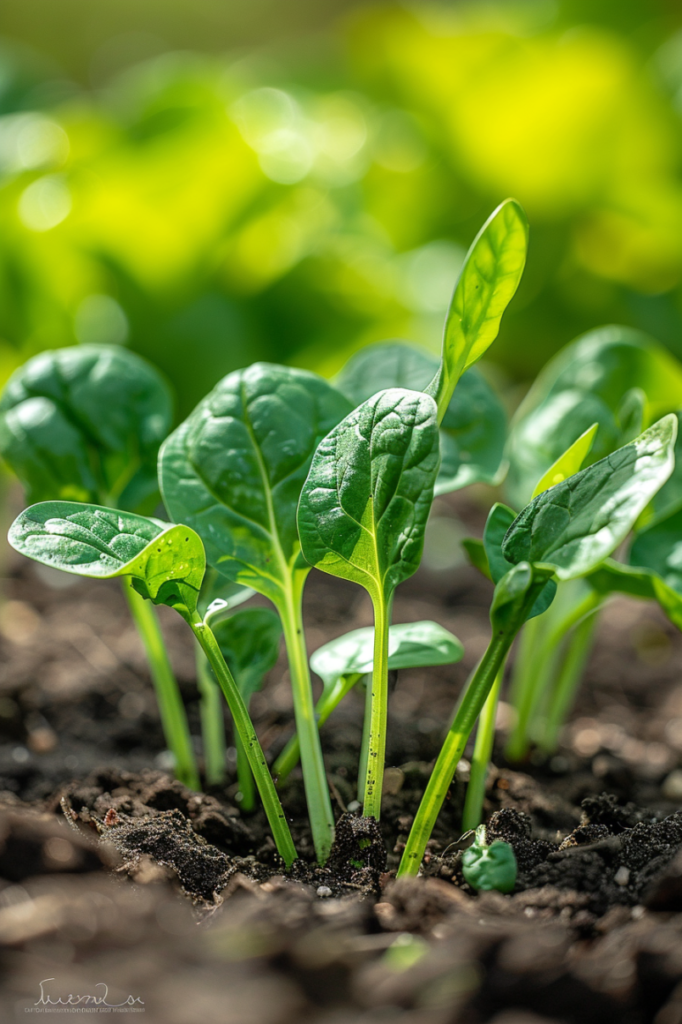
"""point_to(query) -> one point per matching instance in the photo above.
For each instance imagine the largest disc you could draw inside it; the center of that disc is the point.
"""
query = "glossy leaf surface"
(85, 423)
(638, 581)
(578, 523)
(487, 282)
(102, 543)
(249, 641)
(410, 645)
(489, 866)
(473, 430)
(599, 378)
(497, 524)
(365, 503)
(234, 469)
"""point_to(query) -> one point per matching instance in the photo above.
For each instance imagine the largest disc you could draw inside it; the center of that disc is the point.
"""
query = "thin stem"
(364, 743)
(539, 677)
(246, 732)
(480, 761)
(171, 708)
(571, 673)
(328, 702)
(212, 722)
(376, 747)
(245, 778)
(452, 750)
(314, 775)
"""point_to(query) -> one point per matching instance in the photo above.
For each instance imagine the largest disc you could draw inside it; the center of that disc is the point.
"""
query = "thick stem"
(171, 708)
(212, 722)
(452, 750)
(569, 678)
(540, 673)
(483, 748)
(329, 700)
(247, 788)
(314, 775)
(247, 734)
(376, 746)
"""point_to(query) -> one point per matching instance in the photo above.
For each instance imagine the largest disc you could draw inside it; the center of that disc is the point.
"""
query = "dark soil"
(113, 873)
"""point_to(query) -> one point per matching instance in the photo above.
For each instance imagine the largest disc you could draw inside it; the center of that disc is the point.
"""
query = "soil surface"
(112, 874)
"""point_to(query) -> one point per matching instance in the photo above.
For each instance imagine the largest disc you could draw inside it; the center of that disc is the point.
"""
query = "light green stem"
(452, 750)
(376, 747)
(364, 743)
(580, 648)
(329, 700)
(247, 734)
(171, 708)
(314, 775)
(247, 789)
(212, 722)
(483, 748)
(539, 677)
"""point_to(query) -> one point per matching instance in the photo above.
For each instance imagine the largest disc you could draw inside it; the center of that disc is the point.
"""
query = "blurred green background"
(215, 183)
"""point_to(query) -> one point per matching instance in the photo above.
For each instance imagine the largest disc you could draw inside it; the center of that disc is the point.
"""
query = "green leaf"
(485, 287)
(249, 641)
(167, 563)
(568, 463)
(615, 578)
(489, 867)
(410, 645)
(234, 469)
(599, 378)
(473, 431)
(85, 423)
(365, 503)
(476, 554)
(578, 523)
(497, 524)
(516, 596)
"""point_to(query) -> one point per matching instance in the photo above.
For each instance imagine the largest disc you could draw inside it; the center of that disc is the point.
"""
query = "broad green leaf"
(365, 503)
(164, 561)
(599, 378)
(85, 423)
(578, 523)
(250, 642)
(659, 548)
(485, 287)
(568, 463)
(615, 578)
(234, 469)
(473, 431)
(410, 645)
(219, 596)
(497, 524)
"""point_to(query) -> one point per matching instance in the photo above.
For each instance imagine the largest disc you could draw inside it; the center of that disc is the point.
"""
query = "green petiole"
(483, 748)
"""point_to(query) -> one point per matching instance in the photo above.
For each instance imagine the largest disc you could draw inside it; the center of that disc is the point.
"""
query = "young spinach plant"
(233, 471)
(165, 564)
(85, 424)
(564, 533)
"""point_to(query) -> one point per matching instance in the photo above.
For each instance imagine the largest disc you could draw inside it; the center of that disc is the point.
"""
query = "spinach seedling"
(566, 532)
(233, 471)
(165, 564)
(343, 662)
(362, 515)
(489, 866)
(621, 380)
(85, 424)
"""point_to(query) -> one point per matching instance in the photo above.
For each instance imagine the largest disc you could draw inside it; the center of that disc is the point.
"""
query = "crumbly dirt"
(112, 872)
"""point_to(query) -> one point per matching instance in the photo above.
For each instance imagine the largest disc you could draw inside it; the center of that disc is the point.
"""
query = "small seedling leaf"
(578, 523)
(568, 463)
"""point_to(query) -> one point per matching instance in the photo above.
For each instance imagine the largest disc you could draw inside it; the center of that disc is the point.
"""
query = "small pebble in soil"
(622, 876)
(324, 890)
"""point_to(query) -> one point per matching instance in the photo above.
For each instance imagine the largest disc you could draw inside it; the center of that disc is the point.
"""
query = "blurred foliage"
(296, 201)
